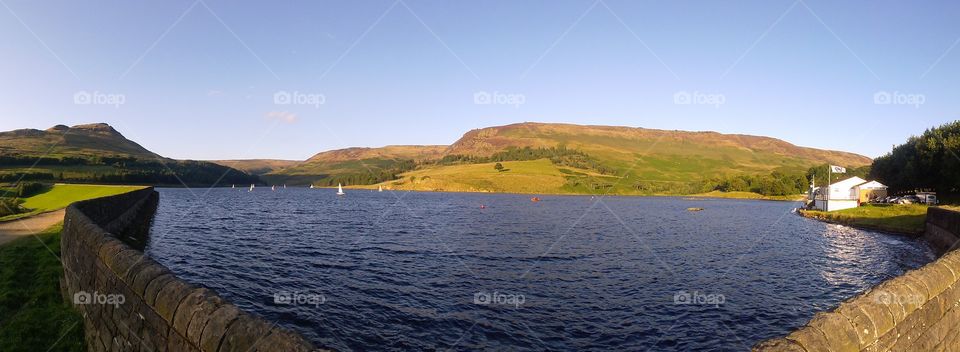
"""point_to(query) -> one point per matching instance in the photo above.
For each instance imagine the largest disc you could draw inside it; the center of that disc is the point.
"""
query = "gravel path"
(12, 230)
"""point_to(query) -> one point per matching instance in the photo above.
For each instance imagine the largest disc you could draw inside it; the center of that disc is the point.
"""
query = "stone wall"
(918, 311)
(942, 230)
(132, 303)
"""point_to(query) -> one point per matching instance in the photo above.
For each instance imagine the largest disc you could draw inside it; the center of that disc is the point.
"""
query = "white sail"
(273, 188)
(380, 188)
(340, 190)
(311, 186)
(251, 188)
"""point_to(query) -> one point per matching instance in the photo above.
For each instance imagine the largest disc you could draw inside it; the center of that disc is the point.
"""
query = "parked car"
(929, 198)
(909, 200)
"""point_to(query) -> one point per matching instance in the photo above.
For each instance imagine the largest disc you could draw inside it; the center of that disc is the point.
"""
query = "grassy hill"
(98, 139)
(356, 165)
(565, 158)
(98, 153)
(257, 166)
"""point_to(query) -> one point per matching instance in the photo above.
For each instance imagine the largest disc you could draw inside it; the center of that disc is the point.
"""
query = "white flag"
(838, 169)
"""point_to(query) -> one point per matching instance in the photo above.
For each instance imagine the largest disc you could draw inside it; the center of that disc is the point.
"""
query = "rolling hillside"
(99, 153)
(257, 166)
(60, 141)
(356, 165)
(564, 158)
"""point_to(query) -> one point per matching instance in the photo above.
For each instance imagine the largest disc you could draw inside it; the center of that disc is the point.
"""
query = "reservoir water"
(452, 271)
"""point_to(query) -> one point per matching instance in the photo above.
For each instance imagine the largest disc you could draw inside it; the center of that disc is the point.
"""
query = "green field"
(906, 218)
(61, 195)
(747, 195)
(33, 314)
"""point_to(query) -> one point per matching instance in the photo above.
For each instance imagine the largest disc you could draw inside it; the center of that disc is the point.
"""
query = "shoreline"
(753, 196)
(807, 214)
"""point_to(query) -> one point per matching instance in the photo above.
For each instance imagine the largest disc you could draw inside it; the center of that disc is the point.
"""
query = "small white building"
(843, 194)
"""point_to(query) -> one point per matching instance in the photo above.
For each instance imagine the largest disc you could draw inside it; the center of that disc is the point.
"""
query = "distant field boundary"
(151, 308)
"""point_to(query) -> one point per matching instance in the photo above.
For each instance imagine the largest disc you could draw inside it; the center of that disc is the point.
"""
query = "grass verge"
(906, 219)
(61, 195)
(33, 314)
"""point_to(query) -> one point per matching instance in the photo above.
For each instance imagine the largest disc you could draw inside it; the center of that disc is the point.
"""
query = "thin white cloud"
(282, 116)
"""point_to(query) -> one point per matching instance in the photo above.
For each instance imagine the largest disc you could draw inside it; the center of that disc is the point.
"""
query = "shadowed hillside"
(98, 153)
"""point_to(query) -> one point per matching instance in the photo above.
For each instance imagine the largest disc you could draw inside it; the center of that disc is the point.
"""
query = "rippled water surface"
(404, 271)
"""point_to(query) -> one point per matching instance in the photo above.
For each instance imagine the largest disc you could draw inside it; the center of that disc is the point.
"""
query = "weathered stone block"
(153, 288)
(862, 324)
(207, 307)
(169, 298)
(283, 340)
(244, 334)
(146, 274)
(216, 326)
(187, 307)
(838, 331)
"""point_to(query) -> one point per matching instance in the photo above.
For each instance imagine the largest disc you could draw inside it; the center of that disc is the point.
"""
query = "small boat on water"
(251, 188)
(535, 199)
(340, 190)
(273, 188)
(380, 188)
(311, 186)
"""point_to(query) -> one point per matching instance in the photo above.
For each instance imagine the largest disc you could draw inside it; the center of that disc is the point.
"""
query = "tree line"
(124, 170)
(929, 161)
(557, 155)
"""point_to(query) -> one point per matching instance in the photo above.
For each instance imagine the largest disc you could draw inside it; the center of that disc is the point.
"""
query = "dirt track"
(12, 230)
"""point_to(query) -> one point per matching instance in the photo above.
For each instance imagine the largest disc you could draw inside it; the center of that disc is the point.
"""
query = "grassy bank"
(747, 195)
(61, 195)
(907, 219)
(33, 314)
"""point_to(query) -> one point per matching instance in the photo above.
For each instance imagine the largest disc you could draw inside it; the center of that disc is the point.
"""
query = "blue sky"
(199, 79)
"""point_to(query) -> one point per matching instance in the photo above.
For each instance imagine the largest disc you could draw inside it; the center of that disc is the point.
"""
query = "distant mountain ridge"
(76, 141)
(99, 153)
(646, 154)
(486, 141)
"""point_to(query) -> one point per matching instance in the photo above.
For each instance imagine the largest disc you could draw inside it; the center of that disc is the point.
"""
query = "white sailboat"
(311, 186)
(340, 190)
(273, 188)
(380, 188)
(251, 188)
